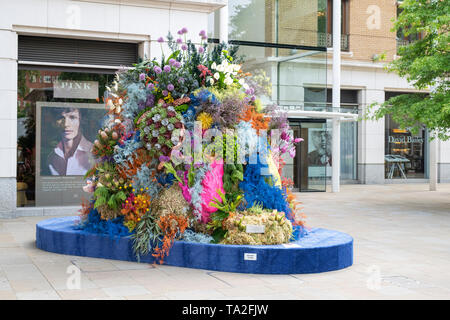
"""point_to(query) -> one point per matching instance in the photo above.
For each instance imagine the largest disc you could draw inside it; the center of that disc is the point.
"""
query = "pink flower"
(292, 152)
(179, 41)
(201, 50)
(184, 47)
(160, 39)
(297, 140)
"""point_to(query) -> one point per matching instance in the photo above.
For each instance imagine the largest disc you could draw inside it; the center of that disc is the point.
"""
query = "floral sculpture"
(188, 152)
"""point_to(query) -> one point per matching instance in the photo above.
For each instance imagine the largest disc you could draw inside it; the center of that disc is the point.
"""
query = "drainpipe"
(336, 140)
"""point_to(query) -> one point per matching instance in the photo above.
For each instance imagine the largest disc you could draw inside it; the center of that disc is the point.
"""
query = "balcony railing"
(326, 40)
(403, 42)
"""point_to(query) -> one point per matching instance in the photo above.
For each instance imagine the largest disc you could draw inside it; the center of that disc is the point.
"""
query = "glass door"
(308, 170)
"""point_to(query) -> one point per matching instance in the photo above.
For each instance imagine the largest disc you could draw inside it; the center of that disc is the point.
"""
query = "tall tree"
(426, 65)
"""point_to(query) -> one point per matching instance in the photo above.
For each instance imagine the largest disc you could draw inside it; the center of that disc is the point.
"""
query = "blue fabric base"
(319, 251)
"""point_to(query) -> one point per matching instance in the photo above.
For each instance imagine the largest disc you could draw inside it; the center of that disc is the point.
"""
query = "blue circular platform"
(319, 251)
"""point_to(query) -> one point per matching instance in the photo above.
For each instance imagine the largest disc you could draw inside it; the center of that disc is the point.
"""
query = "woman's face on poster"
(70, 123)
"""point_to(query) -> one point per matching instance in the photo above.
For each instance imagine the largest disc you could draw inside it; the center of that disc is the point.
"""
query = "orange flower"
(170, 225)
(258, 120)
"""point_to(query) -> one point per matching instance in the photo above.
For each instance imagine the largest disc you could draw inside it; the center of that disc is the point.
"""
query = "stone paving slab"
(401, 251)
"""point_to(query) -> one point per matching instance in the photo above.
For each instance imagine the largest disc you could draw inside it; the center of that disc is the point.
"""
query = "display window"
(405, 152)
(59, 114)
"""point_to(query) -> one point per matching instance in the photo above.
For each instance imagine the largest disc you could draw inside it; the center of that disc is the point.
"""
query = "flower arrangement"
(189, 152)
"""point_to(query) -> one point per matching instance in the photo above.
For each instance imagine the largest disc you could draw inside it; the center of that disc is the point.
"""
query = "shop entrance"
(309, 167)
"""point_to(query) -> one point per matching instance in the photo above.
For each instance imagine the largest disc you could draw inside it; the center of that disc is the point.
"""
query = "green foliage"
(224, 207)
(426, 64)
(111, 188)
(146, 234)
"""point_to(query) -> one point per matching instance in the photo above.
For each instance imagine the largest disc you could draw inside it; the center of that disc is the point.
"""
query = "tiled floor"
(401, 251)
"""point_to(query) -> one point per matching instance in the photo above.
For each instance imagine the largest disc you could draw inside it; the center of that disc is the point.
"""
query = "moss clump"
(170, 201)
(277, 229)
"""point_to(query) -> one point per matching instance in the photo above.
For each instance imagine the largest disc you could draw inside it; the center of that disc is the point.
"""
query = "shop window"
(405, 152)
(57, 122)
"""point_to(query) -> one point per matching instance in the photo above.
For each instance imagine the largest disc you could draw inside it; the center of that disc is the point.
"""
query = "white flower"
(229, 69)
(170, 108)
(148, 146)
(164, 122)
(155, 133)
(220, 68)
(216, 76)
(236, 67)
(156, 117)
(241, 82)
(117, 121)
(146, 130)
(211, 81)
(245, 86)
(158, 146)
(170, 127)
(175, 140)
(213, 66)
(228, 81)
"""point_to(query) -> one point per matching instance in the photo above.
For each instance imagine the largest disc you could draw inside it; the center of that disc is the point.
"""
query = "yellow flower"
(205, 119)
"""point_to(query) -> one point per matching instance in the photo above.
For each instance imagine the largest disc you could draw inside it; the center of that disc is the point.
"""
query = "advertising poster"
(65, 133)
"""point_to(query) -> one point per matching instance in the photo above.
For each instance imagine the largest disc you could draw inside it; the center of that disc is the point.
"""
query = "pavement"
(401, 251)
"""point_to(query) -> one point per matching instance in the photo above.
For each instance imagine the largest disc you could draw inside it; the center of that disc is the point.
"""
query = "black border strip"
(269, 45)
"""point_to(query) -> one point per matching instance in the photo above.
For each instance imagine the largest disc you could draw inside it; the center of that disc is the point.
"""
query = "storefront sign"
(405, 139)
(75, 89)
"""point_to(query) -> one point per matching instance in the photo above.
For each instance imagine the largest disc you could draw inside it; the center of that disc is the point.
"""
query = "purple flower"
(150, 86)
(179, 41)
(180, 32)
(172, 61)
(184, 30)
(201, 50)
(163, 158)
(170, 87)
(181, 80)
(177, 64)
(184, 47)
(283, 149)
(284, 135)
(204, 38)
(142, 76)
(202, 33)
(157, 69)
(165, 93)
(167, 68)
(160, 39)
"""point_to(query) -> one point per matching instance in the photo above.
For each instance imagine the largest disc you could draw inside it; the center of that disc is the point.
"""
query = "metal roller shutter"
(75, 51)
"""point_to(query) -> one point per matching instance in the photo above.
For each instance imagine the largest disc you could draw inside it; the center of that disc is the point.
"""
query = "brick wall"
(369, 28)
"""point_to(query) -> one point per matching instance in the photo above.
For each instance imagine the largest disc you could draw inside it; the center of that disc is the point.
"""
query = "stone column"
(444, 161)
(8, 122)
(371, 142)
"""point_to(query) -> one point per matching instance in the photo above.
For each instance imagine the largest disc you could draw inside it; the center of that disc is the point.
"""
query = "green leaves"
(426, 64)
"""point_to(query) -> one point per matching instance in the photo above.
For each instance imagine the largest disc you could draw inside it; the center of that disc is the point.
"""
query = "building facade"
(57, 56)
(291, 40)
